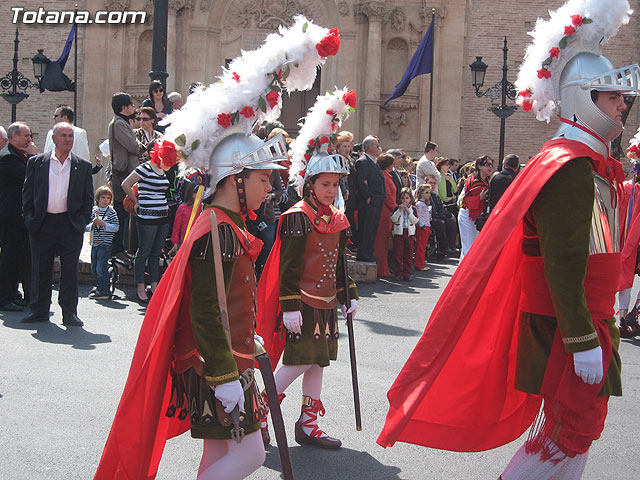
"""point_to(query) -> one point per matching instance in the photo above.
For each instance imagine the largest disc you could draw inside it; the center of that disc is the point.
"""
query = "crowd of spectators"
(403, 213)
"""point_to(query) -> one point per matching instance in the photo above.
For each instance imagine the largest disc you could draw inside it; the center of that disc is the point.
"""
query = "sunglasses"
(143, 119)
(156, 90)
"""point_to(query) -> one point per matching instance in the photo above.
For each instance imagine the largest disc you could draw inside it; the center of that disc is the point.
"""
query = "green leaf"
(586, 21)
(275, 88)
(547, 62)
(181, 141)
(286, 72)
(304, 27)
(351, 109)
(262, 103)
(195, 144)
(563, 42)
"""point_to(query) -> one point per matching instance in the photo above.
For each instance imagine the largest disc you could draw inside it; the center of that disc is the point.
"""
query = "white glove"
(230, 394)
(353, 309)
(258, 338)
(588, 365)
(292, 321)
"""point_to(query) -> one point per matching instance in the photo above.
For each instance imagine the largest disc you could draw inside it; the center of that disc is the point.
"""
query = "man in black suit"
(371, 194)
(57, 200)
(14, 238)
(501, 180)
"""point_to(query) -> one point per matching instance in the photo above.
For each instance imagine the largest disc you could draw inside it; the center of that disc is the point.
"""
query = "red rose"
(280, 73)
(324, 140)
(307, 156)
(331, 113)
(576, 20)
(329, 45)
(569, 30)
(224, 119)
(554, 52)
(236, 77)
(164, 151)
(302, 173)
(312, 143)
(350, 99)
(633, 148)
(272, 98)
(525, 93)
(544, 73)
(527, 105)
(247, 112)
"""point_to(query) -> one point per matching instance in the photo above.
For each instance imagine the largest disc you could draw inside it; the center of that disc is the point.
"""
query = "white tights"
(311, 381)
(229, 460)
(624, 299)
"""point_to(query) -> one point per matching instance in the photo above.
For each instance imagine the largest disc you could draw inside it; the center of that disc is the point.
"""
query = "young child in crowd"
(103, 226)
(404, 220)
(183, 214)
(423, 207)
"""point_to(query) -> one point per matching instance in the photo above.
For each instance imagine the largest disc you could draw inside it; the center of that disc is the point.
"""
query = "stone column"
(172, 45)
(373, 71)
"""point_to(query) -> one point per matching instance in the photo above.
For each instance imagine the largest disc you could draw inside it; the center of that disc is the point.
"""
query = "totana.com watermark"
(42, 16)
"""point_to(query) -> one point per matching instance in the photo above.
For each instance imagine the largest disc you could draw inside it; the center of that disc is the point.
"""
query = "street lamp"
(503, 89)
(14, 84)
(40, 63)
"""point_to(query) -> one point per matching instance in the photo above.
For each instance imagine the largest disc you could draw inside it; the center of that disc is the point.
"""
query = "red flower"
(224, 119)
(632, 149)
(302, 173)
(544, 73)
(331, 113)
(350, 99)
(554, 52)
(335, 126)
(272, 98)
(307, 156)
(247, 112)
(576, 20)
(329, 45)
(164, 151)
(324, 140)
(569, 30)
(280, 73)
(527, 105)
(525, 93)
(236, 77)
(312, 143)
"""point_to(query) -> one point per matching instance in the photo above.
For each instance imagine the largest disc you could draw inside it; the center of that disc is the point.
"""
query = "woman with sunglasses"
(474, 202)
(146, 135)
(158, 100)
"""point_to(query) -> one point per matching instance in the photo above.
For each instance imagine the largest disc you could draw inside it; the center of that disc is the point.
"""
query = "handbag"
(128, 204)
(482, 219)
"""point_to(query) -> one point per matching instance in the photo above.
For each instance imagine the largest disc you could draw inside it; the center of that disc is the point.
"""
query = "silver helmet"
(586, 72)
(323, 162)
(238, 151)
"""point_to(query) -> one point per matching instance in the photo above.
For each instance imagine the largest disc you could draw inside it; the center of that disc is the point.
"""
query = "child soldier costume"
(305, 281)
(528, 315)
(193, 364)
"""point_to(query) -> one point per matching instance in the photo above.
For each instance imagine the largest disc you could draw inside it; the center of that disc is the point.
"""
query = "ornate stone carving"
(177, 5)
(397, 44)
(425, 14)
(270, 14)
(359, 16)
(374, 11)
(343, 9)
(394, 119)
(398, 19)
(205, 5)
(117, 4)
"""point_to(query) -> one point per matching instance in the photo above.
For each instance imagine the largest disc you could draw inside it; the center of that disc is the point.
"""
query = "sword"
(352, 348)
(274, 408)
(237, 432)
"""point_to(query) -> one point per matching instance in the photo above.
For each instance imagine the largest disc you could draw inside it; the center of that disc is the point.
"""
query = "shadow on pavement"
(341, 463)
(382, 328)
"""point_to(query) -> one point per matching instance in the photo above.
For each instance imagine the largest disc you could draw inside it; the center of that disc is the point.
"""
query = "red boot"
(307, 430)
(264, 425)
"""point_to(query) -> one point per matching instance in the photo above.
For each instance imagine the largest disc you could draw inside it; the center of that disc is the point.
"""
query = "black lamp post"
(503, 89)
(159, 41)
(14, 84)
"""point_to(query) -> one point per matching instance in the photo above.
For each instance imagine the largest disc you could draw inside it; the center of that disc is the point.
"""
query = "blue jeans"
(100, 267)
(151, 238)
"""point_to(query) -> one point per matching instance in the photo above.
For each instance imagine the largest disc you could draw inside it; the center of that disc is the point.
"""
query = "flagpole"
(75, 71)
(433, 27)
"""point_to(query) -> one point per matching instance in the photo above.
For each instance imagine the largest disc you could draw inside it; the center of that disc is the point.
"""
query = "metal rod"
(14, 76)
(75, 70)
(352, 348)
(433, 41)
(505, 68)
(159, 41)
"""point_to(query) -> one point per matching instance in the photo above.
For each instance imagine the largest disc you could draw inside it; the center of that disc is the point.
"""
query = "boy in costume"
(304, 279)
(538, 323)
(194, 362)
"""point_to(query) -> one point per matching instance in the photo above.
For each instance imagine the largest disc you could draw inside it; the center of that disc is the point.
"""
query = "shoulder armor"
(295, 224)
(230, 246)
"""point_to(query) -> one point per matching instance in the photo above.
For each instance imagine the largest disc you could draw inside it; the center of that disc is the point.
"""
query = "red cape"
(268, 309)
(141, 428)
(629, 251)
(456, 390)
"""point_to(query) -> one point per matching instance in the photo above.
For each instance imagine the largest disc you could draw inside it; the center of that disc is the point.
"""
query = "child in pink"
(423, 207)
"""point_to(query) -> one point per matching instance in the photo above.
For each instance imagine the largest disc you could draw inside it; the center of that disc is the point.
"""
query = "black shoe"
(21, 302)
(11, 307)
(33, 318)
(72, 320)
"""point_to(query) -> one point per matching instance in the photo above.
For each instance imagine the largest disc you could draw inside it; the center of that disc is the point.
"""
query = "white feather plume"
(324, 119)
(247, 81)
(606, 15)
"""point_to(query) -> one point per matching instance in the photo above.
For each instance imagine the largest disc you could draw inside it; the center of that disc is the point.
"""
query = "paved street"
(59, 389)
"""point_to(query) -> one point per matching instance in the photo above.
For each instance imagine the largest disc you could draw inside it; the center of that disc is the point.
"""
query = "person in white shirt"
(426, 165)
(80, 148)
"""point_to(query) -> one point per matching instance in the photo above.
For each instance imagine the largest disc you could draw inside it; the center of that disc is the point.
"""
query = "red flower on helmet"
(569, 30)
(312, 143)
(554, 52)
(307, 156)
(272, 98)
(236, 77)
(335, 126)
(329, 45)
(525, 93)
(544, 73)
(164, 152)
(324, 140)
(247, 112)
(224, 119)
(576, 20)
(633, 149)
(331, 113)
(350, 99)
(527, 105)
